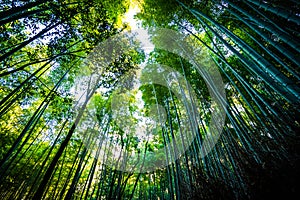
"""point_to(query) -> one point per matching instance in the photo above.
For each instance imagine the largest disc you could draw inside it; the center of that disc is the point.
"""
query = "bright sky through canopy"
(134, 24)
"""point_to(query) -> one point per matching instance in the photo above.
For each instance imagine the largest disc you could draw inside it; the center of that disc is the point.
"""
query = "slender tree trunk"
(20, 9)
(288, 15)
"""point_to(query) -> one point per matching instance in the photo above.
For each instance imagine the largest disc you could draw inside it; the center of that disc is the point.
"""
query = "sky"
(146, 45)
(135, 25)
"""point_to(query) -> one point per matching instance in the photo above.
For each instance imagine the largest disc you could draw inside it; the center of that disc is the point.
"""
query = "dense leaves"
(49, 150)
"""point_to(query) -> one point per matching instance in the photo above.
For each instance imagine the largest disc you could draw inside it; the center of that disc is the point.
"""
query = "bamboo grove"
(49, 150)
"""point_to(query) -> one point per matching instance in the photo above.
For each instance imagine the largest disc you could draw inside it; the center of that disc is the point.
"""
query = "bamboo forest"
(149, 99)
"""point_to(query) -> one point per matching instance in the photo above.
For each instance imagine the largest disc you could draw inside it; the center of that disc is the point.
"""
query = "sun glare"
(134, 24)
(129, 16)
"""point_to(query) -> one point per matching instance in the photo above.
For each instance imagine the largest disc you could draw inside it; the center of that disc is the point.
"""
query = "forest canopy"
(165, 99)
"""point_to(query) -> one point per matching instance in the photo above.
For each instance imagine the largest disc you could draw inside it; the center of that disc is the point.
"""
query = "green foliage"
(48, 150)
